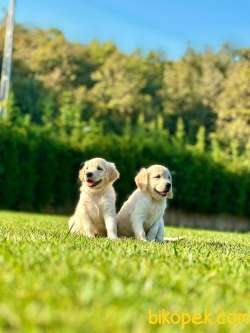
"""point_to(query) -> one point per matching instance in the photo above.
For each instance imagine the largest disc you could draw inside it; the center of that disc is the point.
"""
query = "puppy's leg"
(111, 226)
(160, 235)
(81, 224)
(153, 231)
(75, 226)
(87, 226)
(139, 230)
(160, 232)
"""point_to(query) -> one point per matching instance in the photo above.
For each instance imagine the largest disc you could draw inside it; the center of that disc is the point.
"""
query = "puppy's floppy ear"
(81, 172)
(113, 173)
(141, 179)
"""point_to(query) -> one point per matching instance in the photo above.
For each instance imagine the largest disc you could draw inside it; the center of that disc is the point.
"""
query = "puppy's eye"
(158, 176)
(99, 168)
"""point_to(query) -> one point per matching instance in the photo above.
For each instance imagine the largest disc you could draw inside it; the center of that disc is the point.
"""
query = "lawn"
(54, 282)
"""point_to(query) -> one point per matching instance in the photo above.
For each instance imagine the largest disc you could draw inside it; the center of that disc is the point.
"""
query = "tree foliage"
(209, 89)
(181, 112)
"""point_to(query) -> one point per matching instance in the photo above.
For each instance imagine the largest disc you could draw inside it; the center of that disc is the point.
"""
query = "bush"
(38, 172)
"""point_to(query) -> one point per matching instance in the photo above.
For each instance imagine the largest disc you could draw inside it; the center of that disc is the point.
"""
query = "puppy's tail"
(173, 239)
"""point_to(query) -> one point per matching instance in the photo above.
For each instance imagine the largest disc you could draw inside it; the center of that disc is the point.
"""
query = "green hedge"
(36, 173)
(40, 173)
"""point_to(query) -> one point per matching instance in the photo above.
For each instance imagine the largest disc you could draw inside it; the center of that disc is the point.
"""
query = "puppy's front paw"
(112, 236)
(142, 238)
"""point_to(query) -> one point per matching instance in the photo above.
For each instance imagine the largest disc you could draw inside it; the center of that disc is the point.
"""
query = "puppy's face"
(156, 180)
(97, 173)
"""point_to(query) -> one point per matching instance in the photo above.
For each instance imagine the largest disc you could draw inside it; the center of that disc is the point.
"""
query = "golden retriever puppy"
(95, 213)
(141, 216)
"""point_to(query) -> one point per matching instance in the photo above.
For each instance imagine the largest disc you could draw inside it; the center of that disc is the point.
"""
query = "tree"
(69, 122)
(234, 105)
(117, 92)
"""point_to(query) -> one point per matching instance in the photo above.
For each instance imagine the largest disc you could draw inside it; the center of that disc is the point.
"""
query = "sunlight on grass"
(53, 282)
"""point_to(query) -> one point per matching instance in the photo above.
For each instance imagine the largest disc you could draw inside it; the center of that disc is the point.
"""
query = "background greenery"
(70, 102)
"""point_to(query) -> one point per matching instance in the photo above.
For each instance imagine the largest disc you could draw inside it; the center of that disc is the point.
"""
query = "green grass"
(53, 283)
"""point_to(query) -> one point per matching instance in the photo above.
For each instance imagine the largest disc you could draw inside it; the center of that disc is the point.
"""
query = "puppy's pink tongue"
(90, 181)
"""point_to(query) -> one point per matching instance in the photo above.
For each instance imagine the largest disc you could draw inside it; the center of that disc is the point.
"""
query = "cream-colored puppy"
(95, 214)
(141, 216)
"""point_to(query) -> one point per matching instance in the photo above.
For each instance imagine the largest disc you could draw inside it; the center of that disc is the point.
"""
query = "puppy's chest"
(94, 209)
(154, 213)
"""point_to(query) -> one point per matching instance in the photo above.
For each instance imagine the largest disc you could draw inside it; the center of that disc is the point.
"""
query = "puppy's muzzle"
(166, 190)
(168, 187)
(90, 182)
(89, 174)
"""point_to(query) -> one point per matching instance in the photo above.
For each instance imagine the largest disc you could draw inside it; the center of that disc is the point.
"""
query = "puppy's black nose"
(168, 186)
(89, 174)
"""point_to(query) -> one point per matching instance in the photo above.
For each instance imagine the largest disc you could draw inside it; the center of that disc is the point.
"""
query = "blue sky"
(160, 24)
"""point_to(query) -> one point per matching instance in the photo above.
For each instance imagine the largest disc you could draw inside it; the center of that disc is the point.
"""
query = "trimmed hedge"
(40, 173)
(35, 172)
